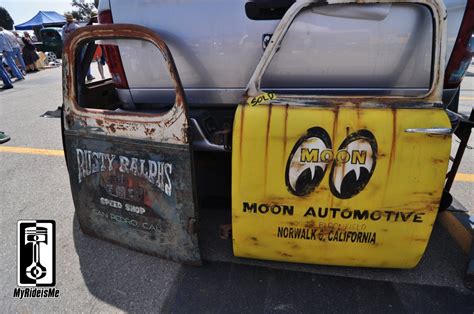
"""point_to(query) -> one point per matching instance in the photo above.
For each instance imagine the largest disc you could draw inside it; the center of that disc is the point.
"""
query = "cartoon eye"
(305, 168)
(350, 175)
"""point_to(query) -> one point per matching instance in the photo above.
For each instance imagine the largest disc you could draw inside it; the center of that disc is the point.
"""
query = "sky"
(23, 10)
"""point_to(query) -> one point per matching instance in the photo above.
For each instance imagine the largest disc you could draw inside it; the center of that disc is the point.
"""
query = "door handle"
(432, 131)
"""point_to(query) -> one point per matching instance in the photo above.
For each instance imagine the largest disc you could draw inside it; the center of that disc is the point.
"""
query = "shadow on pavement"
(52, 113)
(120, 277)
(133, 281)
(232, 288)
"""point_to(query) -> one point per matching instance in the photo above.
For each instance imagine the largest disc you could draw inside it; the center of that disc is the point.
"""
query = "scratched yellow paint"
(408, 179)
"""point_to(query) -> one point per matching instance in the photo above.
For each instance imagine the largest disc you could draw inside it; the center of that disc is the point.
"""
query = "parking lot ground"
(93, 275)
(463, 189)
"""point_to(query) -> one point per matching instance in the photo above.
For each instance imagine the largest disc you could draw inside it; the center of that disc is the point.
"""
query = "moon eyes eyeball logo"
(352, 165)
(306, 167)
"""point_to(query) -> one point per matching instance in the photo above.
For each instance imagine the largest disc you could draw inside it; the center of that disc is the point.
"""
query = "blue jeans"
(19, 57)
(4, 75)
(8, 55)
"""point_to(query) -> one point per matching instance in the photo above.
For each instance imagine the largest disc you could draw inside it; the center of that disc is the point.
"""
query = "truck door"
(130, 166)
(339, 179)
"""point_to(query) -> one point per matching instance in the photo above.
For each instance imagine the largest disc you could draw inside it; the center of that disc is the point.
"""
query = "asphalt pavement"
(463, 190)
(96, 276)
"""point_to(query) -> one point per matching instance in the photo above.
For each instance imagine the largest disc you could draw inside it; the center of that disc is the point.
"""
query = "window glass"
(364, 49)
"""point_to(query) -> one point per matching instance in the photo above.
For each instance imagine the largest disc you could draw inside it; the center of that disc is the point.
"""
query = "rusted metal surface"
(170, 127)
(131, 173)
(147, 207)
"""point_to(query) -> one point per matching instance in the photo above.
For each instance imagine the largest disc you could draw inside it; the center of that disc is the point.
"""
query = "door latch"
(431, 131)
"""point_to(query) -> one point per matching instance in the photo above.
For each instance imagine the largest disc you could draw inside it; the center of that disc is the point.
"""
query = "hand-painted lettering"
(157, 173)
(268, 209)
(335, 212)
(257, 100)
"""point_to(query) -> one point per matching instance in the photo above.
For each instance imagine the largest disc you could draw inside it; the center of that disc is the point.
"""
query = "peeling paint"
(131, 174)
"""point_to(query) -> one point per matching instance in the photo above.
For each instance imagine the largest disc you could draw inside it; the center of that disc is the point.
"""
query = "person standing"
(69, 27)
(27, 36)
(16, 48)
(7, 82)
(22, 45)
(29, 54)
(7, 50)
(98, 55)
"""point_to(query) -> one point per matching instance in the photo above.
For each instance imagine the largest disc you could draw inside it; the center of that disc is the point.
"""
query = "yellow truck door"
(347, 180)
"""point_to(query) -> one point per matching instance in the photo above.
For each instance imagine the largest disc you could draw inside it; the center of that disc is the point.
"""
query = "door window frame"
(122, 122)
(432, 98)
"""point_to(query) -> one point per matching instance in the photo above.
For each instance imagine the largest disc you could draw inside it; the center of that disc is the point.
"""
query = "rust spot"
(422, 193)
(284, 254)
(335, 124)
(295, 246)
(125, 128)
(169, 122)
(242, 119)
(267, 134)
(358, 116)
(99, 122)
(334, 140)
(384, 264)
(419, 239)
(111, 127)
(393, 148)
(310, 224)
(149, 131)
(285, 130)
(331, 202)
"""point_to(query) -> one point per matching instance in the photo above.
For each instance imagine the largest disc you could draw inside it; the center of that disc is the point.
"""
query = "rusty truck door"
(130, 171)
(341, 180)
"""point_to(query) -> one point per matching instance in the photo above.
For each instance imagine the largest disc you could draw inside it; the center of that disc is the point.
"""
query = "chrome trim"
(431, 131)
